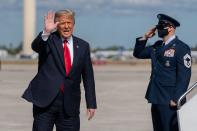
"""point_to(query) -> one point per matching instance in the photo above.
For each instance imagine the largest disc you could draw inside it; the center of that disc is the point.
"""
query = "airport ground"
(120, 95)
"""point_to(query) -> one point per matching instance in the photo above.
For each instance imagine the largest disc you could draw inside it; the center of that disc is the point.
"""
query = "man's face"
(65, 26)
(164, 28)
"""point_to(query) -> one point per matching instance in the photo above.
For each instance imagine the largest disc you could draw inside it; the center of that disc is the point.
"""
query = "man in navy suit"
(171, 71)
(63, 61)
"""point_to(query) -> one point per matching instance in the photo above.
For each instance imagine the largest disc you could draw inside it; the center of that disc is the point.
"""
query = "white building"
(3, 53)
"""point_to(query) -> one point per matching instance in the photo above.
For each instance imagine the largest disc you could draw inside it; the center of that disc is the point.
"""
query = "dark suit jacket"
(51, 74)
(171, 69)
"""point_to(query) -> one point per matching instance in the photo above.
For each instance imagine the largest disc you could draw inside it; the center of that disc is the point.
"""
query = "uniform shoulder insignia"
(187, 60)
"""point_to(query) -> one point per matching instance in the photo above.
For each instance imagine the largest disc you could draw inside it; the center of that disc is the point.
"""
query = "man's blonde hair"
(66, 12)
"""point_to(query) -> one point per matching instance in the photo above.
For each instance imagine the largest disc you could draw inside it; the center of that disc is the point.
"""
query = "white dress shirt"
(45, 36)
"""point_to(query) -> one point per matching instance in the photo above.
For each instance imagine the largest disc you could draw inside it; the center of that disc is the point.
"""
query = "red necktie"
(67, 58)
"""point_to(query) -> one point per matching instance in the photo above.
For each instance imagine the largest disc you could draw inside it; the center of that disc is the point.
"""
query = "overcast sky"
(104, 22)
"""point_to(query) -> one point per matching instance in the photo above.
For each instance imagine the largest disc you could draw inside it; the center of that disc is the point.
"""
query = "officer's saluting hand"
(149, 34)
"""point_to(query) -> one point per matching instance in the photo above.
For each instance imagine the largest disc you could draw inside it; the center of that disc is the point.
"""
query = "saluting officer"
(171, 71)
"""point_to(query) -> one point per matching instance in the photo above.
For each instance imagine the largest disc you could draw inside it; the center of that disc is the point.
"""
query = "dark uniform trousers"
(164, 118)
(45, 118)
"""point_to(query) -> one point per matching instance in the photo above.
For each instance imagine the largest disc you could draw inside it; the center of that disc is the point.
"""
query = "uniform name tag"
(169, 53)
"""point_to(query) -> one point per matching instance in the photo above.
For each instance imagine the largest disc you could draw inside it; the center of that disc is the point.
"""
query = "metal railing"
(185, 94)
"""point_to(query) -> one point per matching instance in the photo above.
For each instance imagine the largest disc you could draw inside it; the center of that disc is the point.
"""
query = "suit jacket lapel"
(58, 44)
(169, 44)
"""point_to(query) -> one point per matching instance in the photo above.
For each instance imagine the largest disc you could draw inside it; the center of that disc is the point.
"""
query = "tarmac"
(120, 93)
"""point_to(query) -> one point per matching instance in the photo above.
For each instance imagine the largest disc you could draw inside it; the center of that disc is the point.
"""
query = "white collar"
(70, 40)
(170, 39)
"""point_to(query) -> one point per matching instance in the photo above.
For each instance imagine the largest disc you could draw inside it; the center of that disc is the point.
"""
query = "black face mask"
(161, 29)
(162, 32)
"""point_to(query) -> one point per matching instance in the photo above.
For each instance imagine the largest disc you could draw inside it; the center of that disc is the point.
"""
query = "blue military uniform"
(170, 76)
(171, 69)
